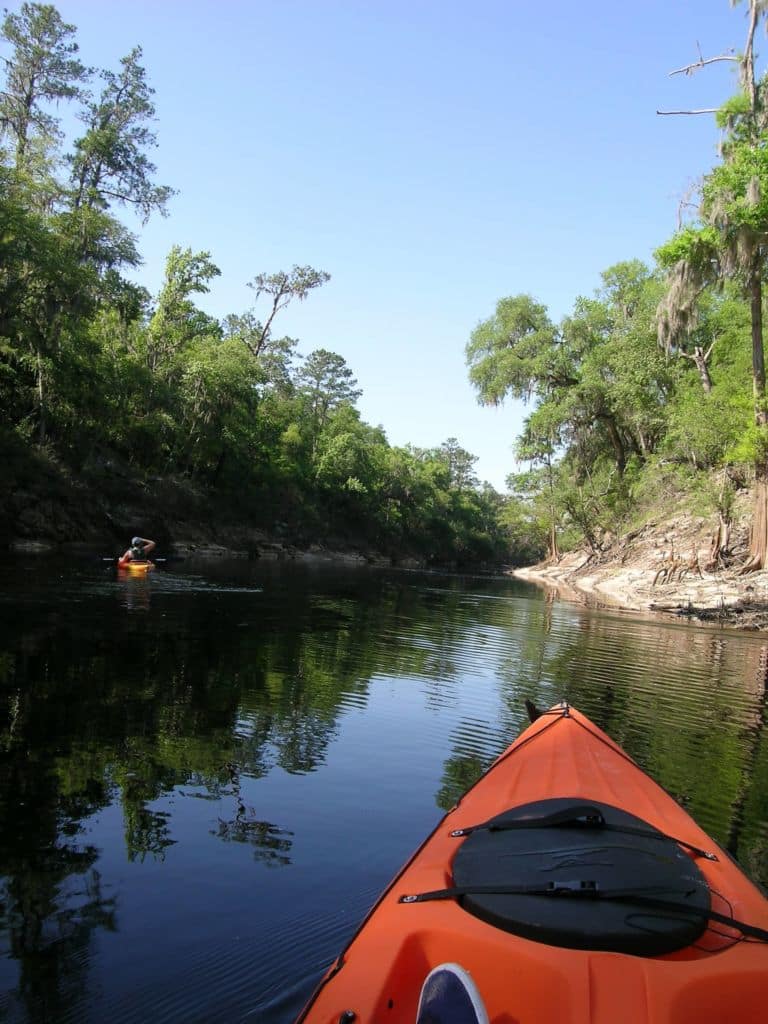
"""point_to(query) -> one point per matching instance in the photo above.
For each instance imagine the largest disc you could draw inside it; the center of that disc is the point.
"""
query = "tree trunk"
(619, 451)
(721, 539)
(554, 547)
(758, 362)
(758, 546)
(219, 466)
(41, 426)
(701, 365)
(23, 128)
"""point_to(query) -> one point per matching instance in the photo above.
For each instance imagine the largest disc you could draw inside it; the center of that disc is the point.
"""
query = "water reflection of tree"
(750, 843)
(459, 773)
(147, 832)
(101, 708)
(51, 890)
(271, 844)
(50, 938)
(691, 725)
(748, 838)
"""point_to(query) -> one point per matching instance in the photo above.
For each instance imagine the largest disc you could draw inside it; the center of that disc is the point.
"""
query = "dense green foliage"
(95, 372)
(615, 418)
(645, 392)
(652, 391)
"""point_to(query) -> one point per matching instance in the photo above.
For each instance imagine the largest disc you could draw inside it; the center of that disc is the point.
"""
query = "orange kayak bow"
(575, 890)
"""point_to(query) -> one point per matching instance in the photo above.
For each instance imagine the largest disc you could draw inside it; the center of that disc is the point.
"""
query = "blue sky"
(431, 156)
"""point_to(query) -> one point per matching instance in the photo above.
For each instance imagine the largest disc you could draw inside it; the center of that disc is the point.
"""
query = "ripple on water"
(250, 760)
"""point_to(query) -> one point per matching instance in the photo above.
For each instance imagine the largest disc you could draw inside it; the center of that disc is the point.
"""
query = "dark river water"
(207, 776)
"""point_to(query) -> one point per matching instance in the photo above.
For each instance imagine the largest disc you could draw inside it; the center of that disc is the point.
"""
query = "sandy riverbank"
(660, 569)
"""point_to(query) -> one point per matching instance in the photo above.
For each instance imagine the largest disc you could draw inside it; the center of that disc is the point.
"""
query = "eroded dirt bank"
(662, 567)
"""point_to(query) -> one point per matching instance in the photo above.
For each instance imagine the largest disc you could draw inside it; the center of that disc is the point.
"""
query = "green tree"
(731, 243)
(45, 295)
(696, 332)
(279, 289)
(537, 446)
(327, 382)
(276, 355)
(110, 163)
(42, 69)
(218, 405)
(616, 408)
(597, 383)
(460, 464)
(176, 320)
(517, 353)
(98, 374)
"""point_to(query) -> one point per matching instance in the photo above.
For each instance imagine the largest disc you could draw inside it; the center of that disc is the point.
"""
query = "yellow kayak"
(135, 565)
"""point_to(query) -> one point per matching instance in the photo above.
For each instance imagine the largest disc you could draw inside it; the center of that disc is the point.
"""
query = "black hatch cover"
(575, 872)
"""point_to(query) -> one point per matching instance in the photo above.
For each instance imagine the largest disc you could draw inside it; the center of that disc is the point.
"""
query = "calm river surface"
(207, 776)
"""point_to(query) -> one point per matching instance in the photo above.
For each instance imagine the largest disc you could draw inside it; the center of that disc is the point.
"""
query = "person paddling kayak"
(138, 551)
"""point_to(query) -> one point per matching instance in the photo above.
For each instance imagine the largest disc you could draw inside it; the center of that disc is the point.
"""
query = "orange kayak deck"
(135, 566)
(722, 978)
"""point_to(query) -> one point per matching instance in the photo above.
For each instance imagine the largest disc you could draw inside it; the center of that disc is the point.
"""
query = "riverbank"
(46, 508)
(661, 568)
(182, 529)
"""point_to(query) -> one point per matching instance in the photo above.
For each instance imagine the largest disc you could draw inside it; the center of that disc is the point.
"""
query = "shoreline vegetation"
(124, 412)
(658, 568)
(47, 506)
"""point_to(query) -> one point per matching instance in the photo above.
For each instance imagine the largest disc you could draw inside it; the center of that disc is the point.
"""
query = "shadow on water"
(208, 774)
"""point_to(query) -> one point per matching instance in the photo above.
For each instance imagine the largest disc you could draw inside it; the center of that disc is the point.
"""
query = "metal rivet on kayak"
(347, 1017)
(457, 832)
(408, 899)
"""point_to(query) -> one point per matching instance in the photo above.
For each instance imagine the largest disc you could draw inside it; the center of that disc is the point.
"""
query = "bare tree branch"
(748, 61)
(706, 110)
(700, 63)
(686, 203)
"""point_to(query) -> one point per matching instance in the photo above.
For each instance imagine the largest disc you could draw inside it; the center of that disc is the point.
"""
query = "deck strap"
(577, 816)
(585, 889)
